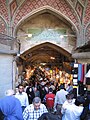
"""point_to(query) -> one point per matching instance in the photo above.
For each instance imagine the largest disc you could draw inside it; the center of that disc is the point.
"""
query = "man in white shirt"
(60, 98)
(69, 110)
(22, 96)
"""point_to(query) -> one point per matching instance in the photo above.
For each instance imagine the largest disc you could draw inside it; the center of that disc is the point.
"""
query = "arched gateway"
(51, 43)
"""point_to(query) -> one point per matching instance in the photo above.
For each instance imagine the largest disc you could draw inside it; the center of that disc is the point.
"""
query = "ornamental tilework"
(2, 26)
(13, 7)
(3, 9)
(19, 1)
(83, 2)
(73, 0)
(59, 5)
(87, 15)
(87, 35)
(79, 9)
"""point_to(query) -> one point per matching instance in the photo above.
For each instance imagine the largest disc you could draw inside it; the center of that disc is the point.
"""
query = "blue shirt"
(11, 108)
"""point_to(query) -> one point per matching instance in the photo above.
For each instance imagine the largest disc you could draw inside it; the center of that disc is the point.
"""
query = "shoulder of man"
(30, 107)
(42, 105)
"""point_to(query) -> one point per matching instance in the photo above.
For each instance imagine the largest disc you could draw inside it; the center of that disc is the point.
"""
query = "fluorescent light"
(29, 35)
(69, 35)
(43, 63)
(24, 35)
(61, 36)
(52, 58)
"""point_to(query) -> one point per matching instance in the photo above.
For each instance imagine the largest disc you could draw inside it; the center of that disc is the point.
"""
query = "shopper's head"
(50, 90)
(79, 100)
(9, 92)
(20, 88)
(62, 86)
(36, 103)
(69, 97)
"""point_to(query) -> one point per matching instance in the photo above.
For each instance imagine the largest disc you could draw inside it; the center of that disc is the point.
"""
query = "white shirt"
(60, 97)
(70, 111)
(23, 98)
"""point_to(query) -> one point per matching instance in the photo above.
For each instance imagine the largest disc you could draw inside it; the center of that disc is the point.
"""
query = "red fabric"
(50, 100)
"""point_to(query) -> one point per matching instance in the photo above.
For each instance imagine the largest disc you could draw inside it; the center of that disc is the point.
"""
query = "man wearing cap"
(34, 110)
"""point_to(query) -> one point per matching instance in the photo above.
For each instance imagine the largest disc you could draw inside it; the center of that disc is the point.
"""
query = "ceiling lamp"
(52, 58)
(69, 35)
(29, 35)
(24, 35)
(43, 63)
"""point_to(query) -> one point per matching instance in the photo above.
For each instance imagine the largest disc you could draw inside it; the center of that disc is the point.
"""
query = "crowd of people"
(44, 100)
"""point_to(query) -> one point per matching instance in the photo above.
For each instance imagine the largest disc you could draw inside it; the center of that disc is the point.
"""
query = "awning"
(82, 55)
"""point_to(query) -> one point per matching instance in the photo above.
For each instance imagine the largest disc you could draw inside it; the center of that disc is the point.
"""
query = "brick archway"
(28, 8)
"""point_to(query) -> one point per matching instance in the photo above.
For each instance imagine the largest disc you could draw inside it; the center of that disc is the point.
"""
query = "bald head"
(9, 92)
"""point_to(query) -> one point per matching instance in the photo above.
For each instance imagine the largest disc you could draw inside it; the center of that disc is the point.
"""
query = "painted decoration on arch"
(83, 2)
(2, 26)
(13, 6)
(46, 34)
(79, 9)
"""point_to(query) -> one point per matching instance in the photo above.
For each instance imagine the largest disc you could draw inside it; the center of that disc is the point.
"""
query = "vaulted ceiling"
(46, 53)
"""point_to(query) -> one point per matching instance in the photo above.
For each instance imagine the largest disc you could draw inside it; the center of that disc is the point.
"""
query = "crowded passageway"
(45, 59)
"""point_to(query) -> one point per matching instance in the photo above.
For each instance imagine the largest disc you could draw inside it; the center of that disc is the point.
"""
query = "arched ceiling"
(46, 53)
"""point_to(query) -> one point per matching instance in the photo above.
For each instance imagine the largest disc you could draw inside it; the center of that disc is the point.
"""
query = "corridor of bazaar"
(47, 73)
(45, 48)
(46, 40)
